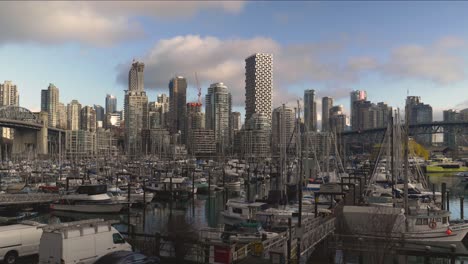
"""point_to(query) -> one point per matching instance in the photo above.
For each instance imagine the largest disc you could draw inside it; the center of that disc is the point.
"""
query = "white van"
(19, 240)
(81, 242)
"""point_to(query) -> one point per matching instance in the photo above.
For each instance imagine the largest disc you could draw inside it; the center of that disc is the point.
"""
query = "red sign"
(222, 254)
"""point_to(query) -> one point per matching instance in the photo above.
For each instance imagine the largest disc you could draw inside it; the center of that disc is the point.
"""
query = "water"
(456, 188)
(203, 211)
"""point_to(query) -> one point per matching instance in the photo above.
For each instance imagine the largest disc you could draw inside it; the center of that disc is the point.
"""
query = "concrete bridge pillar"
(42, 135)
(24, 141)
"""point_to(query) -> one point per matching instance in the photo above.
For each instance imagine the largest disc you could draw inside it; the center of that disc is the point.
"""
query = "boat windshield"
(92, 189)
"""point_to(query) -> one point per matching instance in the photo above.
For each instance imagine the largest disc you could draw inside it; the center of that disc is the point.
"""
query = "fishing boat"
(88, 199)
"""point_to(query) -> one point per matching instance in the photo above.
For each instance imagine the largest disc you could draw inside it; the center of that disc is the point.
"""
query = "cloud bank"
(98, 23)
(222, 60)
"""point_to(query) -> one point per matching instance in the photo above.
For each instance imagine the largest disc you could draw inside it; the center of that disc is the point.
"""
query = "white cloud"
(97, 23)
(217, 60)
(435, 62)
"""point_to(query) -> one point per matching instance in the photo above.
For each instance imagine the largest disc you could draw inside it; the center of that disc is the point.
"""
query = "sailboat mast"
(406, 159)
(392, 153)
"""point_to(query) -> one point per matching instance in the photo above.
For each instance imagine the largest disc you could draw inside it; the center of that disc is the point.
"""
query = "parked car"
(126, 257)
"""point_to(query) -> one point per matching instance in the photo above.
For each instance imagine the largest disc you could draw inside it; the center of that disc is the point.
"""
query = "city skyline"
(365, 60)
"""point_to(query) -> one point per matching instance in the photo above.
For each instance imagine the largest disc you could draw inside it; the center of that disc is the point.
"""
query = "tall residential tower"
(258, 85)
(178, 106)
(218, 111)
(136, 110)
(310, 111)
(49, 103)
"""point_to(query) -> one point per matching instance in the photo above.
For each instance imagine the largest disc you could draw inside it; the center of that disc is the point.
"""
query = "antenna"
(199, 88)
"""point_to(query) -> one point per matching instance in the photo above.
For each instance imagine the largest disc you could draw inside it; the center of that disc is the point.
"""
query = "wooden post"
(461, 207)
(225, 198)
(316, 199)
(248, 184)
(444, 188)
(289, 240)
(448, 201)
(209, 184)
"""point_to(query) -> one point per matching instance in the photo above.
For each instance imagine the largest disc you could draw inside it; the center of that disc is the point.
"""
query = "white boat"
(88, 199)
(137, 195)
(421, 224)
(238, 211)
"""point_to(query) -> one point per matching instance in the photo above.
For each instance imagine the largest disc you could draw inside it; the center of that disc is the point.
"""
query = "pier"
(27, 199)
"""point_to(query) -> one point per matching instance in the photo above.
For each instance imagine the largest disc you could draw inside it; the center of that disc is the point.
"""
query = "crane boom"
(199, 88)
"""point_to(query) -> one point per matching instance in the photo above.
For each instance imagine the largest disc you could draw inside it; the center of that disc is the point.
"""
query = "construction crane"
(199, 89)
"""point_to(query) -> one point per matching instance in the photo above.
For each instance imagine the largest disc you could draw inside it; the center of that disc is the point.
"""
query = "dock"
(275, 249)
(28, 199)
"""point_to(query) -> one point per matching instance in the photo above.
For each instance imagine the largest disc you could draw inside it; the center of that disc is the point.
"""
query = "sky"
(389, 49)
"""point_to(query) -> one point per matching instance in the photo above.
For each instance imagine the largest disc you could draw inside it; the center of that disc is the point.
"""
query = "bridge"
(31, 131)
(375, 135)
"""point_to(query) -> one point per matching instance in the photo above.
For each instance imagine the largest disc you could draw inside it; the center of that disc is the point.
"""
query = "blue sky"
(385, 48)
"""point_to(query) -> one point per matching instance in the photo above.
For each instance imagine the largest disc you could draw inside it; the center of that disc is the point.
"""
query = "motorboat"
(238, 211)
(88, 199)
(443, 164)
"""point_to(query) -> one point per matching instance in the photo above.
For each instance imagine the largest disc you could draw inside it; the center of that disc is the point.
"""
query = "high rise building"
(255, 138)
(88, 119)
(62, 116)
(236, 123)
(235, 126)
(136, 110)
(356, 95)
(99, 113)
(337, 119)
(327, 103)
(282, 130)
(218, 111)
(136, 77)
(258, 85)
(111, 104)
(49, 103)
(383, 112)
(163, 104)
(195, 117)
(113, 120)
(200, 141)
(9, 94)
(74, 115)
(178, 105)
(450, 138)
(310, 111)
(419, 113)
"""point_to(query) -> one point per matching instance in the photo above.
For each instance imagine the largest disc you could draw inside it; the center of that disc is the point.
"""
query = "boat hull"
(437, 169)
(88, 208)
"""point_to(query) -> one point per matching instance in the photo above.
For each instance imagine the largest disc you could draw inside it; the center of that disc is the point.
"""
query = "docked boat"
(420, 224)
(441, 165)
(238, 211)
(179, 188)
(88, 199)
(137, 195)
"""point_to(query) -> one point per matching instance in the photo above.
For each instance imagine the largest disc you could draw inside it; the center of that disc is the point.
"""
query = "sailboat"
(411, 220)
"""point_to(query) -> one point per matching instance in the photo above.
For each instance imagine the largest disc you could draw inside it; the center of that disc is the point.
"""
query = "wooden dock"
(27, 199)
(313, 231)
